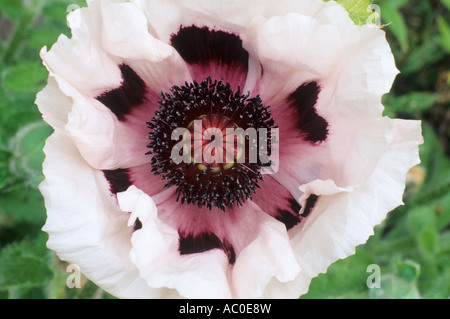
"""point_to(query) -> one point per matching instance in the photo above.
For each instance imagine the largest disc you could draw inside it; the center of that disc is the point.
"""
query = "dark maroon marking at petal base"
(130, 94)
(290, 217)
(119, 180)
(276, 201)
(206, 241)
(204, 46)
(310, 202)
(137, 224)
(304, 99)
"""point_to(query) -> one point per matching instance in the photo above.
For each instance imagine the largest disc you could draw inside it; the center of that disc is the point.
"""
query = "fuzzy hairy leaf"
(20, 266)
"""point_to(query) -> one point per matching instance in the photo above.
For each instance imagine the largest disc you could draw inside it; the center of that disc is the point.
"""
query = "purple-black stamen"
(218, 185)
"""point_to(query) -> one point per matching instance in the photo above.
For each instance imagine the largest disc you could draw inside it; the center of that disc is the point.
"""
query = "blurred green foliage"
(412, 247)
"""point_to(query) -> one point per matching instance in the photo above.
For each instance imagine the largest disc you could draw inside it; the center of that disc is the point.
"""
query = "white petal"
(354, 67)
(358, 172)
(207, 274)
(344, 218)
(85, 226)
(126, 36)
(108, 34)
(125, 33)
(86, 66)
(269, 255)
(325, 52)
(108, 146)
(54, 105)
(81, 61)
(155, 253)
(166, 17)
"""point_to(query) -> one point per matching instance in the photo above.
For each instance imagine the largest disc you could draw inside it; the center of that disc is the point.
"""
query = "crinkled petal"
(81, 60)
(90, 65)
(353, 67)
(117, 19)
(112, 144)
(264, 251)
(84, 224)
(344, 218)
(156, 61)
(155, 253)
(54, 105)
(165, 17)
(269, 255)
(342, 165)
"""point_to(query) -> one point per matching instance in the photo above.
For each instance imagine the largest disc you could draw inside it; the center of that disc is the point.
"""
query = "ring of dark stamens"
(207, 187)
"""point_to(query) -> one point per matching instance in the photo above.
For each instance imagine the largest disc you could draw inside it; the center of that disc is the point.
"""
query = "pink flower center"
(215, 144)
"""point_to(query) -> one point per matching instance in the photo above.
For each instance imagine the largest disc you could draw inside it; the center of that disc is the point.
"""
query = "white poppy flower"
(141, 225)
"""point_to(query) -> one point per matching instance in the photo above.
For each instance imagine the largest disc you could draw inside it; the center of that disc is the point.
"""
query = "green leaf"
(12, 8)
(19, 112)
(28, 156)
(4, 294)
(442, 208)
(25, 20)
(30, 292)
(413, 103)
(396, 24)
(444, 245)
(408, 269)
(446, 3)
(23, 205)
(19, 266)
(444, 29)
(41, 37)
(58, 9)
(423, 56)
(436, 165)
(421, 217)
(440, 288)
(428, 240)
(343, 279)
(359, 10)
(25, 76)
(89, 290)
(393, 287)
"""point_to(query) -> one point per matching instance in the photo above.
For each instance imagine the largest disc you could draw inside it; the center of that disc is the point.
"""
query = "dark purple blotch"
(206, 241)
(303, 100)
(119, 180)
(122, 100)
(289, 216)
(203, 46)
